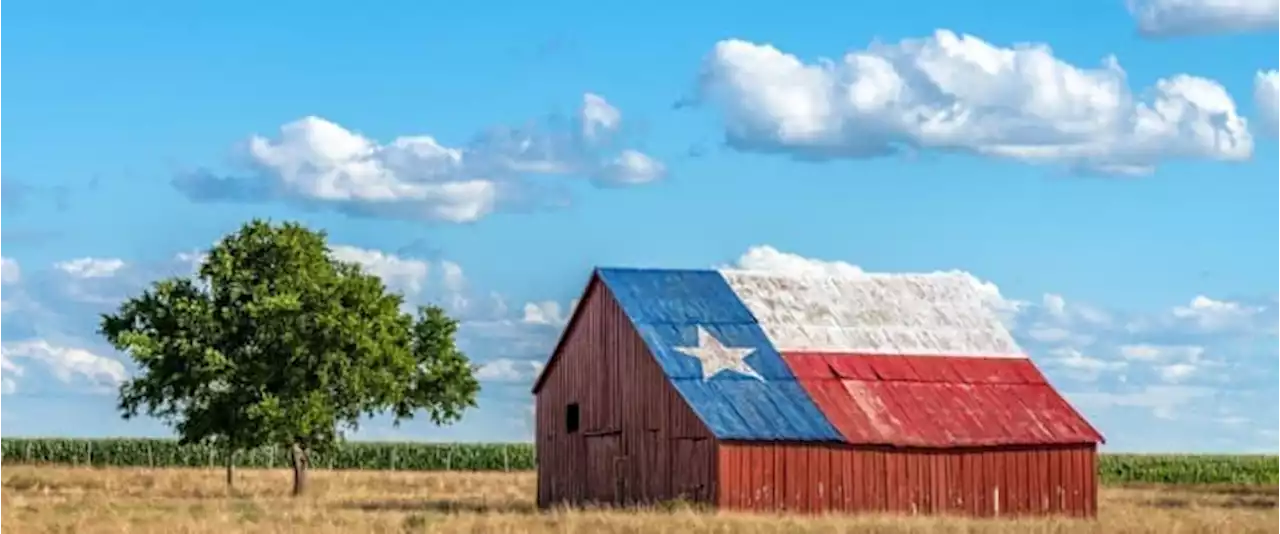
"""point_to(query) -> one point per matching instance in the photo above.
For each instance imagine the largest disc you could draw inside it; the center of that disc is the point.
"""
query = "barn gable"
(610, 426)
(905, 360)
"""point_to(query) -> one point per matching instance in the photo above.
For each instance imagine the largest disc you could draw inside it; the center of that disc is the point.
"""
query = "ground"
(83, 500)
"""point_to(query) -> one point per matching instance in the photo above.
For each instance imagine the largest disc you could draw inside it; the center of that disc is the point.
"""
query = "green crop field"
(1113, 468)
(350, 455)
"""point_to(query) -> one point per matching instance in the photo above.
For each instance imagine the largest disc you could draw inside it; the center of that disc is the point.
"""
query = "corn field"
(406, 456)
(349, 455)
(1189, 469)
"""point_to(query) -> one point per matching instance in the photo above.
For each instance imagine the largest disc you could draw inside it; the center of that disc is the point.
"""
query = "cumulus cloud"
(66, 363)
(1126, 368)
(1168, 18)
(91, 267)
(317, 163)
(508, 370)
(547, 312)
(631, 167)
(1213, 314)
(1266, 101)
(403, 274)
(951, 92)
(768, 258)
(1081, 366)
(599, 118)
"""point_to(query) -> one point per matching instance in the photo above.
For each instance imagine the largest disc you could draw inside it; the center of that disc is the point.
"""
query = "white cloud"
(1081, 366)
(1155, 353)
(1164, 402)
(1191, 17)
(9, 370)
(599, 118)
(1216, 315)
(545, 312)
(1057, 334)
(630, 167)
(508, 370)
(1055, 307)
(768, 258)
(403, 274)
(91, 267)
(1266, 101)
(954, 92)
(1176, 372)
(1171, 363)
(67, 363)
(414, 278)
(10, 272)
(454, 280)
(316, 162)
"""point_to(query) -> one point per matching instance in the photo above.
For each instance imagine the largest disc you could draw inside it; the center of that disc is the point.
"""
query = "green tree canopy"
(274, 341)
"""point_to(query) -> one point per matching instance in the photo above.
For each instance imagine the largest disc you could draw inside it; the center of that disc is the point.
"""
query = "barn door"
(691, 462)
(604, 469)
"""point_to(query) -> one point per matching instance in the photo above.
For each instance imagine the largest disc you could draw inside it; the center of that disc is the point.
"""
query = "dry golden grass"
(80, 500)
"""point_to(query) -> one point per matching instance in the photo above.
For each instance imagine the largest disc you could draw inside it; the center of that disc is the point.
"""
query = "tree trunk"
(231, 463)
(300, 461)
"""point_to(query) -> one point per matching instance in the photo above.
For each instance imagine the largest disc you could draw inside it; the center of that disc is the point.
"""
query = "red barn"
(755, 391)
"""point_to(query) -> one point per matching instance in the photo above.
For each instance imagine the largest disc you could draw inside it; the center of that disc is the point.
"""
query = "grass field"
(93, 500)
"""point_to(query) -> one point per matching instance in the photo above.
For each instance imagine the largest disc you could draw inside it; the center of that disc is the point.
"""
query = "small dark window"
(571, 418)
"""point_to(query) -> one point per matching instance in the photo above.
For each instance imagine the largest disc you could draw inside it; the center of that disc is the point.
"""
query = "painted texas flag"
(904, 360)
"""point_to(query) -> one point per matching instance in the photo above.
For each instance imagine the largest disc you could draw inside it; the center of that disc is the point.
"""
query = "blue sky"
(1110, 166)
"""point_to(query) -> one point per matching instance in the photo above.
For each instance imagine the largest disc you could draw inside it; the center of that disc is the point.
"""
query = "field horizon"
(1113, 468)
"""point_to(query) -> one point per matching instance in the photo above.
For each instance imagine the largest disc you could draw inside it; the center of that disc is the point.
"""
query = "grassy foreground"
(90, 500)
(1112, 468)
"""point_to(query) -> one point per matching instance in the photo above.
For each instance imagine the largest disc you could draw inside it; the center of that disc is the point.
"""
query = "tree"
(274, 341)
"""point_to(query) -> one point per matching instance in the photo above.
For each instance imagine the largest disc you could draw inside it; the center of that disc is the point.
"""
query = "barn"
(766, 392)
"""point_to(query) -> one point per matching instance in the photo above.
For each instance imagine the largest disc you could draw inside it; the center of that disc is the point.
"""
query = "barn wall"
(976, 482)
(638, 442)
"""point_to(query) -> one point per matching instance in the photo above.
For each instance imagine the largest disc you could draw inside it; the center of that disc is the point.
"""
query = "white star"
(716, 357)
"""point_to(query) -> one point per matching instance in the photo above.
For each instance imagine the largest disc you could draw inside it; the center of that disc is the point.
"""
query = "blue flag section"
(716, 355)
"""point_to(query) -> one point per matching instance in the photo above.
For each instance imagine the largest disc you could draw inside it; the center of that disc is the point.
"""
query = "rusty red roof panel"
(938, 401)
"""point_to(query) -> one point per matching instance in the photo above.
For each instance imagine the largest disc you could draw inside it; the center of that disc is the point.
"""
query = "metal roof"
(909, 360)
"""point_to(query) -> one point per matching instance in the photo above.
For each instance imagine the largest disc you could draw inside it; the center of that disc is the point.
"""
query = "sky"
(1109, 165)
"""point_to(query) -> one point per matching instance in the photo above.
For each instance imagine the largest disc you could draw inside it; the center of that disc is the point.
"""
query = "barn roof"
(904, 360)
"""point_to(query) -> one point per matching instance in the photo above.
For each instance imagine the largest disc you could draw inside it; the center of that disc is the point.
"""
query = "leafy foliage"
(275, 342)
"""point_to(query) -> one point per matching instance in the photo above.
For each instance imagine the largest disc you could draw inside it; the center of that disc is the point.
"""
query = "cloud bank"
(957, 93)
(316, 163)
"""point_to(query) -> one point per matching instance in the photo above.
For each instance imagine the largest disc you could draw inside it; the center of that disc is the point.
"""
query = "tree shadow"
(442, 506)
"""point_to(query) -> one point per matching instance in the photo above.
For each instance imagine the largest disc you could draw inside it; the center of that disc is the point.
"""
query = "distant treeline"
(407, 456)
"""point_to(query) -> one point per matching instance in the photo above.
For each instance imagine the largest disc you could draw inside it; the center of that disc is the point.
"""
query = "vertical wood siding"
(993, 482)
(639, 442)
